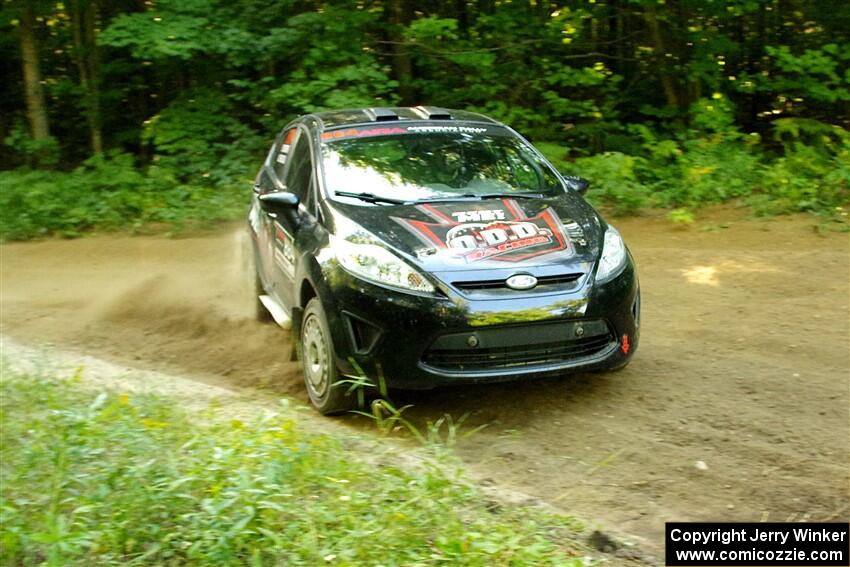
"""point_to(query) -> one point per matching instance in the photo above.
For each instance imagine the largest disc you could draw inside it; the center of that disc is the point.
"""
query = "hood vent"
(432, 113)
(381, 114)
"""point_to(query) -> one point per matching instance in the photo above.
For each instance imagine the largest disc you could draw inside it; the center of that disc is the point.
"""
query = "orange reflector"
(625, 345)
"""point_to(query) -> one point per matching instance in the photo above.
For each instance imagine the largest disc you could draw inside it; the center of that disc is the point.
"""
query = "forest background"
(140, 114)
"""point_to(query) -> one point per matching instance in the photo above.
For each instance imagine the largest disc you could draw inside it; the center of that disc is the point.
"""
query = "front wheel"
(321, 376)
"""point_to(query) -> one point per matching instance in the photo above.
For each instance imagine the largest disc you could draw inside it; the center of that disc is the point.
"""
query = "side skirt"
(277, 311)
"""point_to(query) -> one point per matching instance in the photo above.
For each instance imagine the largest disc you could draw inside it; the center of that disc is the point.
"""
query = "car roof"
(391, 114)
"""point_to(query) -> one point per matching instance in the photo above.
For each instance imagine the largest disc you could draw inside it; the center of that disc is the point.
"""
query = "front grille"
(543, 283)
(516, 356)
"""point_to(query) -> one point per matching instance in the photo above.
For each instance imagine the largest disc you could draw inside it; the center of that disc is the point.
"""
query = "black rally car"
(425, 246)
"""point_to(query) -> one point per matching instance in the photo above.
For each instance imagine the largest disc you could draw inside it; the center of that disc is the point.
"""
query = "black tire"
(260, 312)
(321, 376)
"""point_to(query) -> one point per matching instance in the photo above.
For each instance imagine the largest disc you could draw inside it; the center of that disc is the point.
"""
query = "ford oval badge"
(521, 281)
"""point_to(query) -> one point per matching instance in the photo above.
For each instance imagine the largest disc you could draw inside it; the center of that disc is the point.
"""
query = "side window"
(299, 175)
(279, 161)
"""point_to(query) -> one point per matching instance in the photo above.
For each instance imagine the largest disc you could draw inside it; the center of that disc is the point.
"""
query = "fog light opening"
(364, 335)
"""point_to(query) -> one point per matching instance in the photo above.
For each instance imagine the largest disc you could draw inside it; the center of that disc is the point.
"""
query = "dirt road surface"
(736, 407)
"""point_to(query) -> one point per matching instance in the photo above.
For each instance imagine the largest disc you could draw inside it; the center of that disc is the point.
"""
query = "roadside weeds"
(449, 518)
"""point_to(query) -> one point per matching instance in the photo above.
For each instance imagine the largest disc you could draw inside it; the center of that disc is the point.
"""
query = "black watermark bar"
(757, 544)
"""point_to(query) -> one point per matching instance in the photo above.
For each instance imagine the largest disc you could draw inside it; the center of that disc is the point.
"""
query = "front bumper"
(419, 342)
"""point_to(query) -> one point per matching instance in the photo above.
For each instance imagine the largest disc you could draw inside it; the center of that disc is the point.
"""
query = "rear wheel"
(321, 376)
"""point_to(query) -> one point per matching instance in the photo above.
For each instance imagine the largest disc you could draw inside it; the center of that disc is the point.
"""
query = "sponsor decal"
(287, 142)
(575, 233)
(479, 216)
(505, 233)
(451, 129)
(284, 256)
(361, 133)
(347, 133)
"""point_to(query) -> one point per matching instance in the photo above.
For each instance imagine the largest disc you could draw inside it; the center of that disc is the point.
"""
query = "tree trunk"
(83, 18)
(462, 17)
(667, 83)
(618, 37)
(400, 16)
(36, 106)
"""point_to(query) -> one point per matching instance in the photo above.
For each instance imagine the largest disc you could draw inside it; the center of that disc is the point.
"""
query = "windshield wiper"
(511, 195)
(481, 197)
(371, 197)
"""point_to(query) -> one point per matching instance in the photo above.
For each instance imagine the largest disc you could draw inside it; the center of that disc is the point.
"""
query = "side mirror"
(282, 202)
(279, 200)
(578, 184)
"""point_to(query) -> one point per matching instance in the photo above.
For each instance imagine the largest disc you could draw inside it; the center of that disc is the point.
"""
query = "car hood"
(504, 233)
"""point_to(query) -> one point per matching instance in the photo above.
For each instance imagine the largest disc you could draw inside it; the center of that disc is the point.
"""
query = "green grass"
(101, 479)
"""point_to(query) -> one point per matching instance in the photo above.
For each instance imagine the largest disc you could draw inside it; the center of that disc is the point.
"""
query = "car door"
(262, 221)
(298, 178)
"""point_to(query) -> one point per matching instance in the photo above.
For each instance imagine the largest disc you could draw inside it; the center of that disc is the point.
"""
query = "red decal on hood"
(502, 232)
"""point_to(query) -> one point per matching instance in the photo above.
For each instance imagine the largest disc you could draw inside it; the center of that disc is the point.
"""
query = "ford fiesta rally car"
(424, 246)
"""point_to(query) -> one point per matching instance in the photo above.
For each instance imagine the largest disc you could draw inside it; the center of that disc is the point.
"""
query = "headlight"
(613, 255)
(379, 265)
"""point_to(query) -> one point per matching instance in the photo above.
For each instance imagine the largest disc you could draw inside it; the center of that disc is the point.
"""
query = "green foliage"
(714, 115)
(827, 139)
(389, 418)
(681, 217)
(150, 36)
(178, 30)
(107, 192)
(520, 80)
(117, 480)
(716, 163)
(707, 171)
(615, 181)
(330, 74)
(32, 153)
(803, 180)
(198, 139)
(819, 75)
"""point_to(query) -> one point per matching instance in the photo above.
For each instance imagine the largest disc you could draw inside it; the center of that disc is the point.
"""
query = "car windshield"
(415, 166)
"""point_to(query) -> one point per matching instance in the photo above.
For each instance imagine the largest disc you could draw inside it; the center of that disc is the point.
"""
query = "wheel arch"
(313, 285)
(306, 293)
